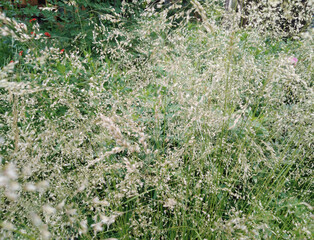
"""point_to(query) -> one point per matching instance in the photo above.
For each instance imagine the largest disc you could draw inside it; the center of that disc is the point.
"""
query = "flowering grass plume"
(173, 126)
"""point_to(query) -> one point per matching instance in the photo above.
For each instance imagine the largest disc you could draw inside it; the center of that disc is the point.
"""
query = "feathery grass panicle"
(171, 128)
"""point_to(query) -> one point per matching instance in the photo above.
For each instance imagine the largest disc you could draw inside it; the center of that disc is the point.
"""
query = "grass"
(160, 131)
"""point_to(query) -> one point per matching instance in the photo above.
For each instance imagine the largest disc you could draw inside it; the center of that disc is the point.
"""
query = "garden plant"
(156, 120)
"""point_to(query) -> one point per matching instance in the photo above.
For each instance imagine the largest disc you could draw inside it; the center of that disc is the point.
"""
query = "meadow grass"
(162, 129)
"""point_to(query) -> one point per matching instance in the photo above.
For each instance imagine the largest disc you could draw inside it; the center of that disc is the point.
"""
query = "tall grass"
(178, 129)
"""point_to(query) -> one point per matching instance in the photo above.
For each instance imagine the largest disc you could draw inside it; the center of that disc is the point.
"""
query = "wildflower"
(47, 34)
(32, 33)
(293, 60)
(11, 61)
(62, 50)
(21, 53)
(33, 19)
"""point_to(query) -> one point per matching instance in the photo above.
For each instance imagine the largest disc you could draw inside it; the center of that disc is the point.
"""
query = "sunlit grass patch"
(159, 131)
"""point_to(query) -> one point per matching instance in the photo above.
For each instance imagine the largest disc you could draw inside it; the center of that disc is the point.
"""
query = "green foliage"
(136, 122)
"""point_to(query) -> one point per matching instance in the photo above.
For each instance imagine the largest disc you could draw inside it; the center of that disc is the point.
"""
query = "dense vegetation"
(151, 120)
